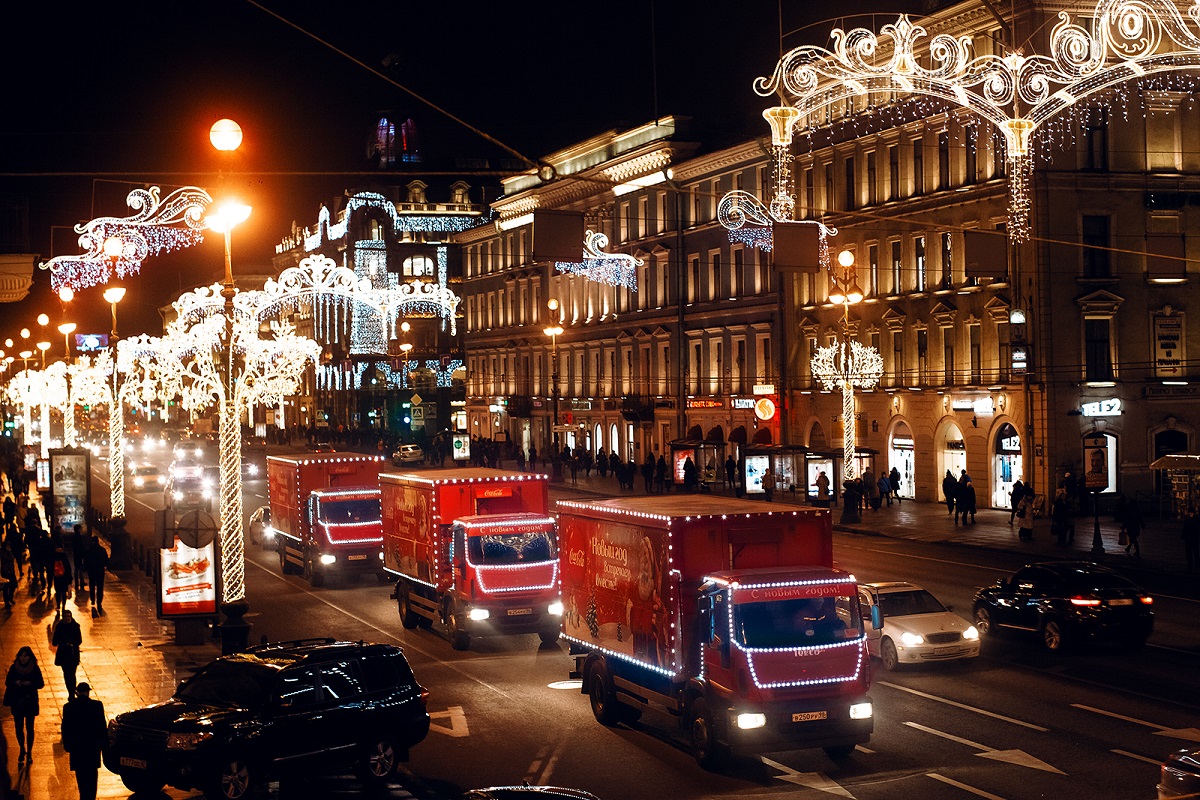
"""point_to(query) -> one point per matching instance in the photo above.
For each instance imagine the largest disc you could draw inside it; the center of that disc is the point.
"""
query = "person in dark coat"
(965, 500)
(1133, 527)
(731, 471)
(1060, 515)
(21, 687)
(1014, 497)
(8, 573)
(78, 544)
(95, 559)
(949, 489)
(660, 474)
(84, 734)
(602, 462)
(60, 571)
(894, 480)
(648, 472)
(689, 475)
(68, 638)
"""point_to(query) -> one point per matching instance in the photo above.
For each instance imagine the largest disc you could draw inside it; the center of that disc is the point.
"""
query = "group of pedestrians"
(960, 497)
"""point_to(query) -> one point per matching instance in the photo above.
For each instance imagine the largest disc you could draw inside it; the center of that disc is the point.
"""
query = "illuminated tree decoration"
(90, 385)
(847, 364)
(157, 226)
(1124, 40)
(615, 269)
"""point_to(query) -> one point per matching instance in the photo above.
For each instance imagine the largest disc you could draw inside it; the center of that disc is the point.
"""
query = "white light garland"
(614, 269)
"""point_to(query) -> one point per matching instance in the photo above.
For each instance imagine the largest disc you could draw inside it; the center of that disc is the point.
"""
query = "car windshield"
(903, 604)
(237, 684)
(364, 510)
(146, 471)
(511, 548)
(800, 622)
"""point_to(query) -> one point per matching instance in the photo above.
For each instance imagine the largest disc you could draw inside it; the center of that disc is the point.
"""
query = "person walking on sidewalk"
(894, 480)
(822, 484)
(67, 640)
(84, 734)
(1025, 517)
(1014, 497)
(21, 687)
(768, 483)
(60, 570)
(1133, 528)
(965, 500)
(885, 488)
(8, 573)
(95, 560)
(949, 489)
(79, 544)
(870, 490)
(1060, 515)
(1191, 538)
(15, 539)
(660, 475)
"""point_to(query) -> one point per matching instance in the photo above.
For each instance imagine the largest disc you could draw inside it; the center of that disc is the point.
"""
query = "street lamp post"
(554, 330)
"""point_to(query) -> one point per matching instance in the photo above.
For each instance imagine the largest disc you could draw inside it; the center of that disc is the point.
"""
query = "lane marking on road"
(458, 722)
(813, 780)
(963, 786)
(1016, 757)
(1187, 734)
(963, 706)
(1155, 761)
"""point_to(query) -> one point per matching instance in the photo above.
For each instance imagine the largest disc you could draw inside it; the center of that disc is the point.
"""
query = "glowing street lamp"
(43, 346)
(66, 329)
(554, 330)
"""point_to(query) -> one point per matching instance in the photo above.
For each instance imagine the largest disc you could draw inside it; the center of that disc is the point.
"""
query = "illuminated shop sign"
(697, 402)
(1102, 408)
(976, 405)
(764, 409)
(745, 403)
(763, 388)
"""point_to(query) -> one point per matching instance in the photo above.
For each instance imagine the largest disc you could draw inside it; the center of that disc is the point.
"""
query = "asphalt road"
(1016, 724)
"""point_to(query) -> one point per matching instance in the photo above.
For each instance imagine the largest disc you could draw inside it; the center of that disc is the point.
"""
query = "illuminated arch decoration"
(847, 364)
(175, 222)
(1015, 92)
(615, 269)
(329, 231)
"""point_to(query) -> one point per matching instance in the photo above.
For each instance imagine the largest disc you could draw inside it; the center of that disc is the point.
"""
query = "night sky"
(107, 97)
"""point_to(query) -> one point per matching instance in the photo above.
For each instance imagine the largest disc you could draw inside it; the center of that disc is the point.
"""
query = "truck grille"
(943, 638)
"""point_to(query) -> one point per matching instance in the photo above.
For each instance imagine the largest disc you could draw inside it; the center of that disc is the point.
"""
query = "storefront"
(902, 458)
(789, 464)
(952, 454)
(1006, 465)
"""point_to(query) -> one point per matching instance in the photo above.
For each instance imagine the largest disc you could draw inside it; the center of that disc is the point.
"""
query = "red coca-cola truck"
(722, 613)
(325, 514)
(473, 549)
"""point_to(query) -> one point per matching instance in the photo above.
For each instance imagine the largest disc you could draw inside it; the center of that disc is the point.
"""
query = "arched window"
(418, 267)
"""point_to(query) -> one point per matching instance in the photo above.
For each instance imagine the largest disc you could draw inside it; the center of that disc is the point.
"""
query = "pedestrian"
(1014, 497)
(602, 462)
(1191, 538)
(660, 474)
(573, 463)
(79, 544)
(648, 472)
(768, 483)
(95, 559)
(15, 540)
(1060, 513)
(885, 488)
(1133, 528)
(851, 497)
(966, 500)
(894, 480)
(949, 488)
(84, 735)
(21, 687)
(67, 640)
(871, 490)
(8, 575)
(1025, 517)
(60, 570)
(532, 459)
(689, 475)
(822, 484)
(730, 470)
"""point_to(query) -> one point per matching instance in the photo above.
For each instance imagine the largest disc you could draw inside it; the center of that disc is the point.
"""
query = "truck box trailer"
(474, 549)
(719, 612)
(325, 514)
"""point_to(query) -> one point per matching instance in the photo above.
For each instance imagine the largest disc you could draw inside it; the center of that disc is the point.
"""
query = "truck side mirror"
(876, 618)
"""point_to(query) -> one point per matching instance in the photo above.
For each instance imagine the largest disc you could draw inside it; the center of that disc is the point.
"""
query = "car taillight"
(1081, 600)
(1147, 600)
(424, 697)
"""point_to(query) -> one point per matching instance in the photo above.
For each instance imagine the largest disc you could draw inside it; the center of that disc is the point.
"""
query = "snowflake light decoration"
(615, 269)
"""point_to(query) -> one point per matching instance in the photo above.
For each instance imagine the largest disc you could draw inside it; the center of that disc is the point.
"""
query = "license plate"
(945, 651)
(519, 612)
(809, 716)
(138, 763)
(1121, 601)
(357, 558)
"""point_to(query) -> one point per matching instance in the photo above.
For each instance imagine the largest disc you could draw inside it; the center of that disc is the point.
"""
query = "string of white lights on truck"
(481, 569)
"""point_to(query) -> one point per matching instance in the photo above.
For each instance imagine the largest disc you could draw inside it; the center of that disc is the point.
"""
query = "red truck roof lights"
(535, 574)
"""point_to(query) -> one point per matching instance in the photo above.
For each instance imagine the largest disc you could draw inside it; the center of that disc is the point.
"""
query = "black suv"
(276, 708)
(1065, 602)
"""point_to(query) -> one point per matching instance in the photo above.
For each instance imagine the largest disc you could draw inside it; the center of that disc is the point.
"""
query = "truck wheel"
(709, 753)
(313, 573)
(888, 655)
(603, 698)
(459, 638)
(408, 618)
(285, 567)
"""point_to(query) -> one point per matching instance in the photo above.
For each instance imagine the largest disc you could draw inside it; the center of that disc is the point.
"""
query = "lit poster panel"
(1099, 463)
(69, 487)
(681, 457)
(189, 581)
(462, 447)
(755, 467)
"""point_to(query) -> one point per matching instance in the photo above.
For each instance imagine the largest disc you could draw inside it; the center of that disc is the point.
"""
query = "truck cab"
(347, 533)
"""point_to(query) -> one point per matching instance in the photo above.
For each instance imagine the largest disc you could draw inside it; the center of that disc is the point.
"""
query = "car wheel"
(708, 752)
(602, 697)
(379, 762)
(459, 638)
(983, 621)
(888, 655)
(839, 752)
(142, 783)
(233, 781)
(408, 618)
(1052, 635)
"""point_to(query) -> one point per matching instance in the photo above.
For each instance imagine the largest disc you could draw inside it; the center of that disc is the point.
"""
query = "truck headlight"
(252, 469)
(911, 639)
(970, 633)
(187, 741)
(555, 609)
(478, 614)
(861, 711)
(749, 721)
(328, 558)
(268, 532)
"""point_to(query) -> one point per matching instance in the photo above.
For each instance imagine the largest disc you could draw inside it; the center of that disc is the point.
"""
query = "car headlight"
(177, 495)
(970, 633)
(252, 469)
(187, 741)
(749, 721)
(478, 614)
(139, 481)
(555, 609)
(268, 532)
(911, 639)
(328, 558)
(207, 492)
(861, 711)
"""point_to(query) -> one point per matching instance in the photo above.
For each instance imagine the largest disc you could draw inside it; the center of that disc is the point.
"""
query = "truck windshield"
(510, 548)
(800, 622)
(342, 511)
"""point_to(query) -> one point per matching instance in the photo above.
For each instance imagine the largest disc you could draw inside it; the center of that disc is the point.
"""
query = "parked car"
(147, 478)
(1180, 775)
(308, 706)
(1065, 602)
(408, 454)
(527, 793)
(910, 626)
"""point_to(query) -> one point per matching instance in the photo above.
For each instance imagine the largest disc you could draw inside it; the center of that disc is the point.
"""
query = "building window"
(1005, 367)
(764, 184)
(872, 180)
(947, 262)
(1096, 261)
(873, 262)
(641, 223)
(948, 355)
(972, 155)
(693, 291)
(893, 172)
(810, 193)
(1096, 139)
(736, 274)
(943, 181)
(764, 271)
(898, 357)
(626, 222)
(714, 275)
(918, 167)
(664, 200)
(923, 356)
(919, 247)
(1097, 350)
(418, 267)
(828, 187)
(897, 267)
(976, 355)
(851, 187)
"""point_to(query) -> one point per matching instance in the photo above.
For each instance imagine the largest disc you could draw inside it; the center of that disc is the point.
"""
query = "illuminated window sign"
(699, 402)
(743, 403)
(1103, 408)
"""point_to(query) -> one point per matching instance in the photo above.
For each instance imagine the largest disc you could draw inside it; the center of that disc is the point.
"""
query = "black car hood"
(182, 715)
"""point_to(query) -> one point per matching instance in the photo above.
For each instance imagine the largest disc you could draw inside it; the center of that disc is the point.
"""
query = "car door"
(343, 724)
(868, 598)
(1031, 589)
(1007, 598)
(297, 724)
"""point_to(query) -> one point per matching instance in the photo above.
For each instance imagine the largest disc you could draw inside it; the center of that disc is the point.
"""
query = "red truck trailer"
(474, 549)
(720, 613)
(325, 514)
